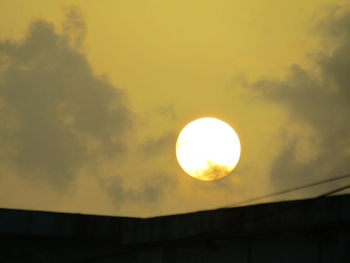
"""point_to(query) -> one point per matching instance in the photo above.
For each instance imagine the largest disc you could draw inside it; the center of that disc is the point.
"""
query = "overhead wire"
(337, 190)
(286, 191)
(208, 234)
(126, 249)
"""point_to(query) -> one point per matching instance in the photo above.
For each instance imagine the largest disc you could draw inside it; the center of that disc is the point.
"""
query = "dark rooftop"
(312, 217)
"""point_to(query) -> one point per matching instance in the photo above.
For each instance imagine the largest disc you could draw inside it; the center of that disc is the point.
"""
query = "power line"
(289, 190)
(225, 230)
(335, 191)
(228, 228)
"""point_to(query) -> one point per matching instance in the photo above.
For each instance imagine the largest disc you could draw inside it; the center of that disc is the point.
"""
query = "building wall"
(316, 230)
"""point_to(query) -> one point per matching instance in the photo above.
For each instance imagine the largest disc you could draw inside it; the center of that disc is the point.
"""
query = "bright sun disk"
(208, 149)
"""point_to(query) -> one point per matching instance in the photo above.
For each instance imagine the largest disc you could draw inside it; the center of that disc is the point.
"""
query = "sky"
(94, 93)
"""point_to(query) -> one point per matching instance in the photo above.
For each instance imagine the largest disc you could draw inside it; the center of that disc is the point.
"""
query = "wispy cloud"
(56, 115)
(318, 103)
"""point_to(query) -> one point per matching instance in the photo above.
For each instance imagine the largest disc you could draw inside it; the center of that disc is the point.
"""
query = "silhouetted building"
(312, 230)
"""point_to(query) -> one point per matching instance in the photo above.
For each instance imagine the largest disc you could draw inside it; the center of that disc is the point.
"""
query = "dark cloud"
(74, 27)
(213, 172)
(56, 115)
(318, 100)
(167, 111)
(59, 119)
(150, 191)
(158, 145)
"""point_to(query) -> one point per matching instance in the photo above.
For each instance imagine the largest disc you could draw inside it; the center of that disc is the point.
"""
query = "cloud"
(56, 115)
(316, 138)
(156, 146)
(74, 26)
(59, 120)
(149, 191)
(167, 111)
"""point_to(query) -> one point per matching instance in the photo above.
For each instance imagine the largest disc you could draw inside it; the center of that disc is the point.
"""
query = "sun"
(208, 149)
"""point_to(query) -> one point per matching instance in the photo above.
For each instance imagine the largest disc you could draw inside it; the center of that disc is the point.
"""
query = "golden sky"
(94, 93)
